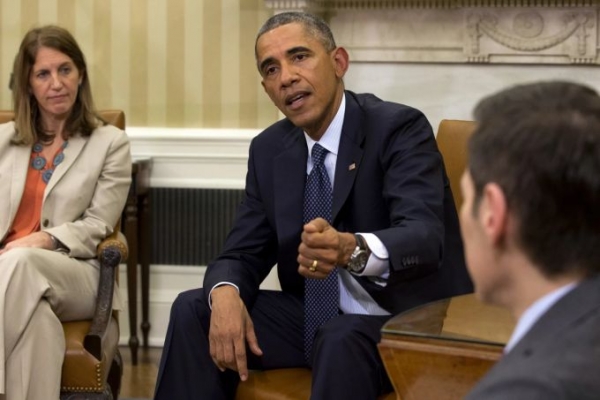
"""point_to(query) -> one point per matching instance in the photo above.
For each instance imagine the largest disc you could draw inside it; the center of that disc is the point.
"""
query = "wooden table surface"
(439, 351)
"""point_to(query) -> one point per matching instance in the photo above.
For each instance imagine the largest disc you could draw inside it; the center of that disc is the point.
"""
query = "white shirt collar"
(534, 313)
(331, 138)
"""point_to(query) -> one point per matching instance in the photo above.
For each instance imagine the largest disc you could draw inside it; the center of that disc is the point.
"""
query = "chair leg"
(115, 375)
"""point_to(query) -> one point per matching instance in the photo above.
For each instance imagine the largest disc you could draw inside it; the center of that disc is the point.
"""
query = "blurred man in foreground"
(531, 228)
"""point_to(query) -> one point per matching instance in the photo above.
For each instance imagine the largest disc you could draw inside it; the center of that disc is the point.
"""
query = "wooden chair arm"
(117, 240)
(110, 253)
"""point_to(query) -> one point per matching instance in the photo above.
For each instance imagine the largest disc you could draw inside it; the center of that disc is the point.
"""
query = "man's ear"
(341, 61)
(494, 213)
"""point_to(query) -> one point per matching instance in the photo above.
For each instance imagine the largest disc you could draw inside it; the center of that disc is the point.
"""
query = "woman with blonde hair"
(64, 175)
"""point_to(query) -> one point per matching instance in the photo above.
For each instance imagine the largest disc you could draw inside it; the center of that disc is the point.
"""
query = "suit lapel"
(289, 177)
(71, 152)
(349, 154)
(18, 162)
(569, 311)
(290, 167)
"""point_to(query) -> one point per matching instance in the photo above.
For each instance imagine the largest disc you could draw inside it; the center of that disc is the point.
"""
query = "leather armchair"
(294, 383)
(452, 139)
(92, 367)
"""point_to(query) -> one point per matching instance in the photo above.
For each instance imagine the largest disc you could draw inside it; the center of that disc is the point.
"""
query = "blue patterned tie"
(321, 296)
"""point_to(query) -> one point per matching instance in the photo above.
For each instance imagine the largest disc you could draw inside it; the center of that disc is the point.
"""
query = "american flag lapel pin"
(351, 166)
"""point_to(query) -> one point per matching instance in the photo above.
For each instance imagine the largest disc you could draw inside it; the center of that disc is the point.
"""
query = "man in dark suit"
(385, 234)
(531, 227)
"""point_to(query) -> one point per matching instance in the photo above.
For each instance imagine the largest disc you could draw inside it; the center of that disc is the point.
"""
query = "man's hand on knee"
(230, 328)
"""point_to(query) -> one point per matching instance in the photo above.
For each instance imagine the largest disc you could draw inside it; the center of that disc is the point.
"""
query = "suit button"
(45, 223)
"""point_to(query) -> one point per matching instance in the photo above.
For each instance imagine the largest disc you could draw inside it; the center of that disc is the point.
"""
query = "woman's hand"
(41, 240)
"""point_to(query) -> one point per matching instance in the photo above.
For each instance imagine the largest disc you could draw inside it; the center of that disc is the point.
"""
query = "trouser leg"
(34, 367)
(187, 370)
(346, 362)
(29, 277)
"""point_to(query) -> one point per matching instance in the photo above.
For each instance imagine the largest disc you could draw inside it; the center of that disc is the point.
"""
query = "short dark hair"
(83, 119)
(540, 143)
(313, 25)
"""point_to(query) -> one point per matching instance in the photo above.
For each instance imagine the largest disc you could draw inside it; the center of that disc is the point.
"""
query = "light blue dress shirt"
(534, 313)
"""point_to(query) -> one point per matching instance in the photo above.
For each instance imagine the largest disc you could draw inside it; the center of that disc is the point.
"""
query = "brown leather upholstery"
(6, 115)
(278, 384)
(82, 371)
(452, 139)
(91, 355)
(114, 117)
(294, 383)
(281, 384)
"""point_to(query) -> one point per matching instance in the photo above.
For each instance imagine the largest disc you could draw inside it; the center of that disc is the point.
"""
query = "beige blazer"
(86, 194)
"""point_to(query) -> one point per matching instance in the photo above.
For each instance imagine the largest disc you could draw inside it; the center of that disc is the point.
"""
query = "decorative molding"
(336, 5)
(194, 158)
(461, 31)
(572, 37)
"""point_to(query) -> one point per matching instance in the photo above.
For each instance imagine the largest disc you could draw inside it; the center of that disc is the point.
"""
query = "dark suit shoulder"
(278, 134)
(381, 110)
(386, 122)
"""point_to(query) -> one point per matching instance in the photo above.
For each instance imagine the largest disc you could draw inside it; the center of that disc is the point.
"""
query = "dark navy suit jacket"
(389, 180)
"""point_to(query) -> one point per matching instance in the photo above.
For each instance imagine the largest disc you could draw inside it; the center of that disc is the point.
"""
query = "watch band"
(361, 242)
(54, 242)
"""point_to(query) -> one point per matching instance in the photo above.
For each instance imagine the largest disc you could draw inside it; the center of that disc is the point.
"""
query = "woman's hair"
(83, 118)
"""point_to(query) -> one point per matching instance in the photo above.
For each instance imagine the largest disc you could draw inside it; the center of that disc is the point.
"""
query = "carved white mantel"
(461, 31)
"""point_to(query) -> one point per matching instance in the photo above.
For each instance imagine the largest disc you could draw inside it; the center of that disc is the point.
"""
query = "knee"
(21, 264)
(190, 304)
(20, 256)
(337, 333)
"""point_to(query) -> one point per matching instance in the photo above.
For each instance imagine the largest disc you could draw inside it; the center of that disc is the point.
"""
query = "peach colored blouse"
(29, 213)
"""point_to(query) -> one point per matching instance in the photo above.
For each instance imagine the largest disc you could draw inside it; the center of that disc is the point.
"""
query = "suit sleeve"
(414, 190)
(109, 195)
(250, 250)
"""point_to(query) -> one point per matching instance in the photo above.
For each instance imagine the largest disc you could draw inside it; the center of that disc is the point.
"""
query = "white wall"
(450, 91)
(166, 282)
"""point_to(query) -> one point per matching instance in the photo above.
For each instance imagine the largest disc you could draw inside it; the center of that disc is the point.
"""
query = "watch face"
(358, 261)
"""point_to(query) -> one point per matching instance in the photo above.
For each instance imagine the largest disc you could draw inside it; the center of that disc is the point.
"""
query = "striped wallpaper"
(167, 63)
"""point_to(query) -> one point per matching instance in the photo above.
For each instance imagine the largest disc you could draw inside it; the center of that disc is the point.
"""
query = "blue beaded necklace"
(39, 162)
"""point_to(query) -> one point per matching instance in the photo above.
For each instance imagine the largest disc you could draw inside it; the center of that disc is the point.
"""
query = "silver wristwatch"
(360, 256)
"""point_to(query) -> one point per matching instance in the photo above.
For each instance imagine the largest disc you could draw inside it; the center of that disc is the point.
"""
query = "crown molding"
(336, 5)
(461, 31)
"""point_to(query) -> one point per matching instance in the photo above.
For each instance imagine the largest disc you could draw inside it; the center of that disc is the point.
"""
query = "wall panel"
(167, 63)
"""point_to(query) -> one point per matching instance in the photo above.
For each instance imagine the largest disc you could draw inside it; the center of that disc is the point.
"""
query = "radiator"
(189, 226)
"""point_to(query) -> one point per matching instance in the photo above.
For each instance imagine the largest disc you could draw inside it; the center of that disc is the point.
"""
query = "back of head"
(82, 118)
(541, 144)
(312, 24)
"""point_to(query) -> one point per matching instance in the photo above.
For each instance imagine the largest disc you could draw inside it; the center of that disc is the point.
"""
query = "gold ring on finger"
(313, 266)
